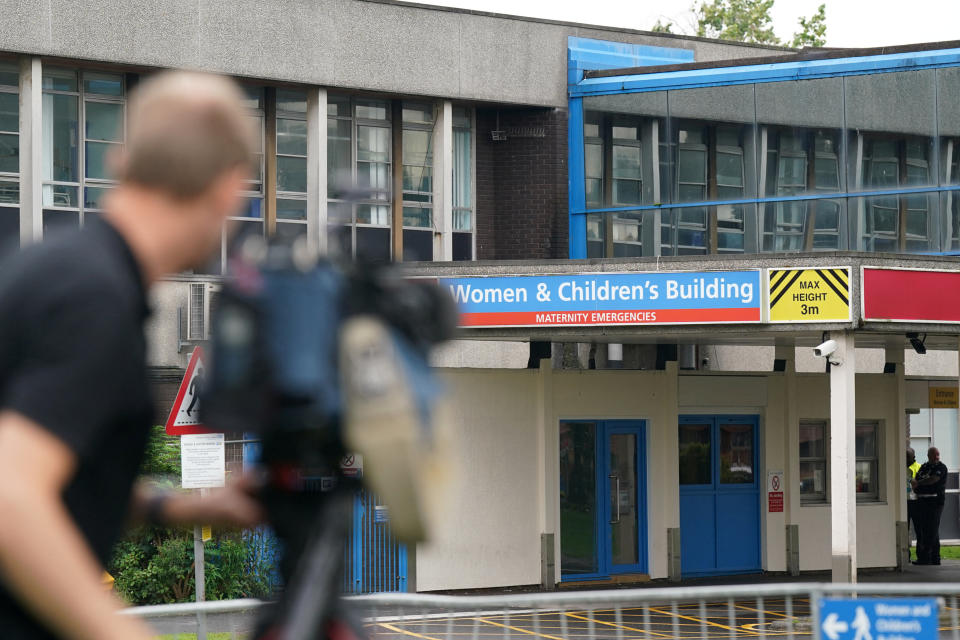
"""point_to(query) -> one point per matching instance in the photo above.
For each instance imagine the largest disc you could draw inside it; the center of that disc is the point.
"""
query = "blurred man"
(930, 484)
(75, 407)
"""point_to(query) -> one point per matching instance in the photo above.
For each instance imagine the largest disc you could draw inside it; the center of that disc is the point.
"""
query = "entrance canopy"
(742, 300)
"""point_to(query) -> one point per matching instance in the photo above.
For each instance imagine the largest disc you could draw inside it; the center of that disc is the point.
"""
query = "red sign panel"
(775, 499)
(907, 295)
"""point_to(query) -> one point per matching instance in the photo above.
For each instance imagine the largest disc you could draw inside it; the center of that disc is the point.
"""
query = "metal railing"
(682, 613)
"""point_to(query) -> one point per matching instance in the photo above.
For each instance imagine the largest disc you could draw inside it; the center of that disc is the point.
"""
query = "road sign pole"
(200, 581)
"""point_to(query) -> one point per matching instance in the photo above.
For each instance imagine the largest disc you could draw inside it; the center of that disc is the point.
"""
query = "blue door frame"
(604, 511)
(720, 522)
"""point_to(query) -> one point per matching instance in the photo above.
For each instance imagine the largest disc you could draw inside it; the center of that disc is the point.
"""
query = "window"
(417, 145)
(291, 163)
(684, 231)
(814, 463)
(462, 184)
(83, 124)
(9, 156)
(936, 428)
(359, 160)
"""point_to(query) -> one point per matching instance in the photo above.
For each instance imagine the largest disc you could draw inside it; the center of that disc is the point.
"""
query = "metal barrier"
(683, 613)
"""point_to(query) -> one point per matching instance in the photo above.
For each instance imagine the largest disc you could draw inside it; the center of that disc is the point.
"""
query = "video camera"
(317, 359)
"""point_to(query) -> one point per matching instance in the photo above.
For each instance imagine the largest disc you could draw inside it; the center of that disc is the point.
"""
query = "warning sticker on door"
(809, 295)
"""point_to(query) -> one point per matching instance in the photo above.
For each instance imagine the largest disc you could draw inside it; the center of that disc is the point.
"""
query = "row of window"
(814, 465)
(792, 142)
(83, 123)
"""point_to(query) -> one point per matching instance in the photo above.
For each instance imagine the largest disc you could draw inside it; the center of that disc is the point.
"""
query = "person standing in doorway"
(929, 485)
(912, 467)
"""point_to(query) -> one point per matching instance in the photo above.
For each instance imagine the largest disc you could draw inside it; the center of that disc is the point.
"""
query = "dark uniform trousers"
(929, 510)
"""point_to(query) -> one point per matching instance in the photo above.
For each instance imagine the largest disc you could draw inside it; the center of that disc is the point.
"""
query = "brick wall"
(522, 185)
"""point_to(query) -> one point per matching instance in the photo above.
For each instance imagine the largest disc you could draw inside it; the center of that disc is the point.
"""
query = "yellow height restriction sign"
(809, 295)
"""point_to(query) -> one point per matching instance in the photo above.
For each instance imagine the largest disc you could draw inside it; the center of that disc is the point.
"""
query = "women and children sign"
(654, 298)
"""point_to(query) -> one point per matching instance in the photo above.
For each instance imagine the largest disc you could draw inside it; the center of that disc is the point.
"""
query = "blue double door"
(719, 495)
(603, 523)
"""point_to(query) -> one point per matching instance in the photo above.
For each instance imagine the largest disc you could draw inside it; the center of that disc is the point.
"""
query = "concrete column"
(894, 355)
(791, 456)
(31, 151)
(443, 183)
(843, 495)
(317, 169)
(548, 475)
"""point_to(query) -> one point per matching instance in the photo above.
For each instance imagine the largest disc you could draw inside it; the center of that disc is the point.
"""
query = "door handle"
(614, 476)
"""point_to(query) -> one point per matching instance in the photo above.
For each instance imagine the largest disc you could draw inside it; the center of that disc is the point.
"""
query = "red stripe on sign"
(898, 294)
(586, 318)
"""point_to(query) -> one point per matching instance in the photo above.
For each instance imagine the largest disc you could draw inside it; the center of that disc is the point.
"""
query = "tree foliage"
(154, 565)
(748, 21)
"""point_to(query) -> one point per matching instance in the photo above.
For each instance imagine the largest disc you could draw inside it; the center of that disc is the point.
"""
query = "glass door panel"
(578, 498)
(695, 454)
(623, 498)
(736, 454)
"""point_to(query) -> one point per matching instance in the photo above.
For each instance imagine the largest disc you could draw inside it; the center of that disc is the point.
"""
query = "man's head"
(188, 148)
(933, 454)
(911, 456)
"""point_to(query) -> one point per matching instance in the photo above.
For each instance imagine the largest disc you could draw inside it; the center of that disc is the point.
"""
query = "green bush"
(153, 565)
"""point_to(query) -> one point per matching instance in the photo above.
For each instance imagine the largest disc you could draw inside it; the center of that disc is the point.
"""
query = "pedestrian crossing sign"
(184, 418)
(819, 294)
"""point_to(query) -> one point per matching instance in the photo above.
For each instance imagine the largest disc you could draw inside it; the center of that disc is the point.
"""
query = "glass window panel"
(339, 212)
(9, 192)
(9, 229)
(256, 122)
(292, 100)
(373, 214)
(59, 79)
(253, 96)
(417, 147)
(9, 112)
(462, 246)
(58, 221)
(105, 84)
(792, 172)
(98, 159)
(736, 454)
(693, 216)
(373, 244)
(626, 162)
(253, 208)
(59, 195)
(813, 480)
(93, 197)
(945, 436)
(417, 113)
(691, 193)
(288, 209)
(372, 109)
(729, 169)
(292, 137)
(417, 179)
(594, 192)
(812, 441)
(291, 231)
(866, 440)
(340, 241)
(622, 132)
(9, 153)
(462, 175)
(291, 174)
(374, 177)
(865, 476)
(462, 220)
(695, 454)
(9, 74)
(593, 154)
(417, 245)
(338, 156)
(417, 216)
(920, 425)
(626, 192)
(338, 105)
(60, 139)
(623, 494)
(104, 121)
(692, 166)
(373, 144)
(461, 117)
(578, 498)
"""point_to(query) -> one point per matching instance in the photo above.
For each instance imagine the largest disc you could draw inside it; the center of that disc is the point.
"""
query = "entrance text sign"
(944, 398)
(878, 618)
(809, 295)
(910, 295)
(202, 460)
(710, 297)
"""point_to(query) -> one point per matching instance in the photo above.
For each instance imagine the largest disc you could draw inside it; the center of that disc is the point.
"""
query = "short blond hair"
(184, 131)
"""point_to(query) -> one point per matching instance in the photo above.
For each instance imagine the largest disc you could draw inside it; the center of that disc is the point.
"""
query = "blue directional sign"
(878, 619)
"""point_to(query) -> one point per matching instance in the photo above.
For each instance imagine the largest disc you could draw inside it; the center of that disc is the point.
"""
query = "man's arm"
(44, 559)
(232, 506)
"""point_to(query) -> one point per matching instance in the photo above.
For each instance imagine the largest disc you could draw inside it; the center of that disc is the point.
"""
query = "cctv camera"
(826, 349)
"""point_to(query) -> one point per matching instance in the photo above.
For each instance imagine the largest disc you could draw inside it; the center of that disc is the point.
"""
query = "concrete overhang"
(939, 336)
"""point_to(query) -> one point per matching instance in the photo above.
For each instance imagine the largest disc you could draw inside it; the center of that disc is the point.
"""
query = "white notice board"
(202, 460)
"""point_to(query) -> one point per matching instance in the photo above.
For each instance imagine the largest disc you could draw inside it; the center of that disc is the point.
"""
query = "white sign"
(774, 480)
(352, 465)
(202, 460)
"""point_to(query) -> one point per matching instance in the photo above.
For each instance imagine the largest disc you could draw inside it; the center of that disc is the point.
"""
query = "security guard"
(930, 484)
(912, 467)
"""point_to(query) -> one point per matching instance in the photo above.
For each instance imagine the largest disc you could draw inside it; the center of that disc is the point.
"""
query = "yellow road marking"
(506, 626)
(620, 626)
(707, 622)
(772, 613)
(405, 632)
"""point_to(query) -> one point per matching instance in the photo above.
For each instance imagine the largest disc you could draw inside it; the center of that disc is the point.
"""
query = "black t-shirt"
(73, 359)
(939, 487)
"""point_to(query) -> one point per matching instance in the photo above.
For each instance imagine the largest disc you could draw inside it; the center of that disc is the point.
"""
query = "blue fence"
(375, 562)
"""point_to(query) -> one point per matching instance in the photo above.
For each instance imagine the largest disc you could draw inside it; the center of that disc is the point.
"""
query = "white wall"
(490, 535)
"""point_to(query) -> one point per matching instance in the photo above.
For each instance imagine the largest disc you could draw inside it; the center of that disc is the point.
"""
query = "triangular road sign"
(184, 417)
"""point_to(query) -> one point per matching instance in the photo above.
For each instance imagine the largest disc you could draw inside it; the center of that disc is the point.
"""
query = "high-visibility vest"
(913, 469)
